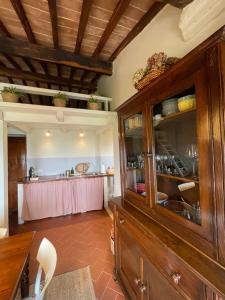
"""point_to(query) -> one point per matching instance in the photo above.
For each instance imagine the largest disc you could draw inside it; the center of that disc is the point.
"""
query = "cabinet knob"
(137, 281)
(143, 288)
(176, 277)
(121, 221)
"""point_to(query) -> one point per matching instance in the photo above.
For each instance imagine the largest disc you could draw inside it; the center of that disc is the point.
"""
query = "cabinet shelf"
(177, 115)
(183, 179)
(133, 169)
(134, 132)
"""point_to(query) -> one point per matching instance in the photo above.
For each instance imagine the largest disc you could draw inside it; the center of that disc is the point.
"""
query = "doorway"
(17, 168)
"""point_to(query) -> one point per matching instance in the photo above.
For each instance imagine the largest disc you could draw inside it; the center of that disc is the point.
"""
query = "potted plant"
(60, 100)
(94, 104)
(9, 94)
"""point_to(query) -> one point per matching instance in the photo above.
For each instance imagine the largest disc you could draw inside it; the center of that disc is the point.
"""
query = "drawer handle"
(121, 221)
(143, 288)
(137, 281)
(176, 277)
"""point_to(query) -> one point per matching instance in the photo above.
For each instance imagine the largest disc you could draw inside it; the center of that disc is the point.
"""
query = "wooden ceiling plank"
(117, 14)
(23, 19)
(145, 20)
(7, 72)
(53, 16)
(44, 54)
(4, 31)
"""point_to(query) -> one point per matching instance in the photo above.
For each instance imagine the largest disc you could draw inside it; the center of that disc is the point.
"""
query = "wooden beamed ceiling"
(68, 45)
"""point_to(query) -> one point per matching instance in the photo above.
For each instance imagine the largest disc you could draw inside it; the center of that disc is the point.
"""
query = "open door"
(17, 168)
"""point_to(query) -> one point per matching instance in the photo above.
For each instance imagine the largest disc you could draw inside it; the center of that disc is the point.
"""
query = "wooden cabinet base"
(152, 263)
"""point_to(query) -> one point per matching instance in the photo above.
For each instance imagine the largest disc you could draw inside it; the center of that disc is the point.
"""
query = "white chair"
(47, 258)
(3, 232)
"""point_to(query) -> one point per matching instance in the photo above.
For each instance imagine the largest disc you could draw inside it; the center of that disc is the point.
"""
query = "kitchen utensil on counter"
(67, 173)
(31, 172)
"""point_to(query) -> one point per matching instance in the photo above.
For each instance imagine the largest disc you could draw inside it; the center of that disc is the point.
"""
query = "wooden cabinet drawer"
(170, 265)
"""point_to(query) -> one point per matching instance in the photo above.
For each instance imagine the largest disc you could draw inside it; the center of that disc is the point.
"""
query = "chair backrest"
(47, 258)
(3, 232)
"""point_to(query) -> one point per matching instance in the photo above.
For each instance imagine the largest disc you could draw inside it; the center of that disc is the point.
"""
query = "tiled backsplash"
(58, 165)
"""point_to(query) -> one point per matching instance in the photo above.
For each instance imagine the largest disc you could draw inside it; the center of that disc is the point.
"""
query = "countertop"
(57, 178)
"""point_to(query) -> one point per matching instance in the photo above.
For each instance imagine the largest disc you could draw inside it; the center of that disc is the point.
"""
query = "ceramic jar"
(169, 106)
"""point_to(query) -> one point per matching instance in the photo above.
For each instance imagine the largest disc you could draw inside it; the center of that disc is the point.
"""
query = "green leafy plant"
(61, 96)
(93, 100)
(11, 90)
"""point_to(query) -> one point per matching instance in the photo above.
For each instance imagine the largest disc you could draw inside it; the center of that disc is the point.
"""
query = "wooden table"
(14, 265)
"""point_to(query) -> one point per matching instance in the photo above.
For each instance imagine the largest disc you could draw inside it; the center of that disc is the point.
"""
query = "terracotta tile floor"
(80, 240)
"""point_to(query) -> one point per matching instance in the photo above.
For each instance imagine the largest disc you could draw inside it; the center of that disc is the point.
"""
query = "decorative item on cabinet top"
(156, 65)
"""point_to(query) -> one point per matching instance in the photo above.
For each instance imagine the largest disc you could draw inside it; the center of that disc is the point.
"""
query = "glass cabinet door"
(134, 154)
(177, 156)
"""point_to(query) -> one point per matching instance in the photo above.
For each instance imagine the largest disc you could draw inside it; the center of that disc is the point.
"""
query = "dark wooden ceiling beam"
(44, 67)
(144, 21)
(29, 101)
(177, 3)
(85, 11)
(7, 72)
(29, 65)
(3, 30)
(44, 54)
(117, 14)
(2, 65)
(23, 19)
(6, 33)
(12, 62)
(53, 15)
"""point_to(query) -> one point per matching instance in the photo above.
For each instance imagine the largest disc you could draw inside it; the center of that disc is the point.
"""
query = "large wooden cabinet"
(172, 167)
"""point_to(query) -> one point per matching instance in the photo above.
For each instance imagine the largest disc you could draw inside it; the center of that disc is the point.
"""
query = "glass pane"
(176, 157)
(134, 144)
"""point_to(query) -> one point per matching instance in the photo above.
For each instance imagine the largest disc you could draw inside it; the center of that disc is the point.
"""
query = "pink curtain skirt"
(62, 197)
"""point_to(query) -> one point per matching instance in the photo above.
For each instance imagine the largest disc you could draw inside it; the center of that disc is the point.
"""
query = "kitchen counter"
(53, 196)
(57, 178)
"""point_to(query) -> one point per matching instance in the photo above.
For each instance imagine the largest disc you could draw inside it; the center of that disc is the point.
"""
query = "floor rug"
(76, 285)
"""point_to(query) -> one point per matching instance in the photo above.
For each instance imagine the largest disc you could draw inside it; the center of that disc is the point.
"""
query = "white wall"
(105, 148)
(61, 144)
(162, 34)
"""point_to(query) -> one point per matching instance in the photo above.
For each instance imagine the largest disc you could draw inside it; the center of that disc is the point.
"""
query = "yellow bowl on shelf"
(186, 102)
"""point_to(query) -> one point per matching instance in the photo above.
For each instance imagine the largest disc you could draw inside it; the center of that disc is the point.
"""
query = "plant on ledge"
(93, 103)
(9, 94)
(60, 100)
